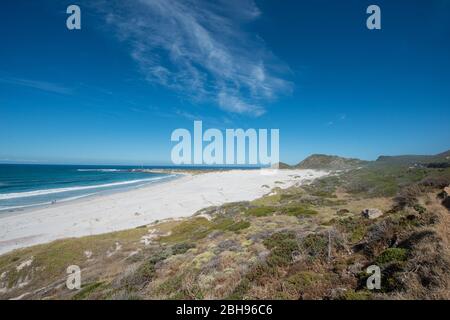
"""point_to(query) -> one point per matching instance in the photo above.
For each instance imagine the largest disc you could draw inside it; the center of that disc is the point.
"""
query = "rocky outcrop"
(372, 213)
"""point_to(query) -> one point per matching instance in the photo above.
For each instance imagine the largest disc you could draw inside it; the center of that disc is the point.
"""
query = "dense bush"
(282, 245)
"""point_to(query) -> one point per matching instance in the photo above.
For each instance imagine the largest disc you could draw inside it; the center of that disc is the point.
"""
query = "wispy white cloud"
(340, 117)
(36, 84)
(200, 49)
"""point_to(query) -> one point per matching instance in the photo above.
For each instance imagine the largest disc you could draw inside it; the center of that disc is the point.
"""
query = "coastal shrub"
(268, 200)
(228, 245)
(292, 193)
(354, 228)
(392, 271)
(391, 275)
(222, 224)
(145, 272)
(358, 233)
(193, 294)
(181, 248)
(203, 258)
(371, 183)
(142, 276)
(58, 256)
(87, 290)
(315, 245)
(323, 194)
(324, 187)
(420, 209)
(282, 245)
(198, 228)
(171, 285)
(303, 279)
(260, 271)
(239, 226)
(123, 294)
(15, 276)
(297, 211)
(407, 197)
(228, 224)
(436, 182)
(261, 211)
(279, 238)
(356, 295)
(190, 229)
(392, 255)
(240, 290)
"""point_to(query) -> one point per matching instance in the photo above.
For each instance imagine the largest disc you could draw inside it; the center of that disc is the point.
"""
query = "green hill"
(441, 159)
(332, 162)
(282, 165)
(327, 162)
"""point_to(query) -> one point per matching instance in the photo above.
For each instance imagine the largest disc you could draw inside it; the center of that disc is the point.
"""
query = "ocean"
(25, 186)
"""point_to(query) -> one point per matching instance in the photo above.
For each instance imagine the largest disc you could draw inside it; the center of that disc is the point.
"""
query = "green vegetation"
(181, 248)
(315, 245)
(303, 242)
(326, 162)
(392, 255)
(239, 226)
(268, 200)
(261, 211)
(355, 228)
(49, 261)
(303, 279)
(420, 209)
(292, 210)
(282, 245)
(197, 228)
(372, 184)
(145, 273)
(240, 290)
(189, 230)
(171, 285)
(87, 290)
(357, 295)
(298, 211)
(325, 187)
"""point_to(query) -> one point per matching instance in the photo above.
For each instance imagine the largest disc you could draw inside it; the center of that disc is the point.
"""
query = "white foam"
(59, 190)
(46, 203)
(99, 170)
(117, 211)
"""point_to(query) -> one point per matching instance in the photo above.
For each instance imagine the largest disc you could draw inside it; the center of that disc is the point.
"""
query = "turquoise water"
(25, 186)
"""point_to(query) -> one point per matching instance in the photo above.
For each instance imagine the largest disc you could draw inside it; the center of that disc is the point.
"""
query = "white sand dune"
(118, 211)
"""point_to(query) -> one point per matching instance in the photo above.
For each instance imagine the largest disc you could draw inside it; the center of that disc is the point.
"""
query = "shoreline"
(33, 207)
(175, 198)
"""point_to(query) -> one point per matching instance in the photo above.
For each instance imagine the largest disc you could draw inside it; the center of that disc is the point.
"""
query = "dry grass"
(228, 253)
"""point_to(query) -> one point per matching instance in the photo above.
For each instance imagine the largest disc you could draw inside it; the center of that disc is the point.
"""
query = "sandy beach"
(129, 209)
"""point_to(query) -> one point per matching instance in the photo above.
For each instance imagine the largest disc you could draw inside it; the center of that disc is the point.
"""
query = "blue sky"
(113, 92)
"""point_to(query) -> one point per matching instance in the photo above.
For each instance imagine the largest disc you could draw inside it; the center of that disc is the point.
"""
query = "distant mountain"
(424, 160)
(282, 165)
(445, 155)
(326, 162)
(331, 162)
